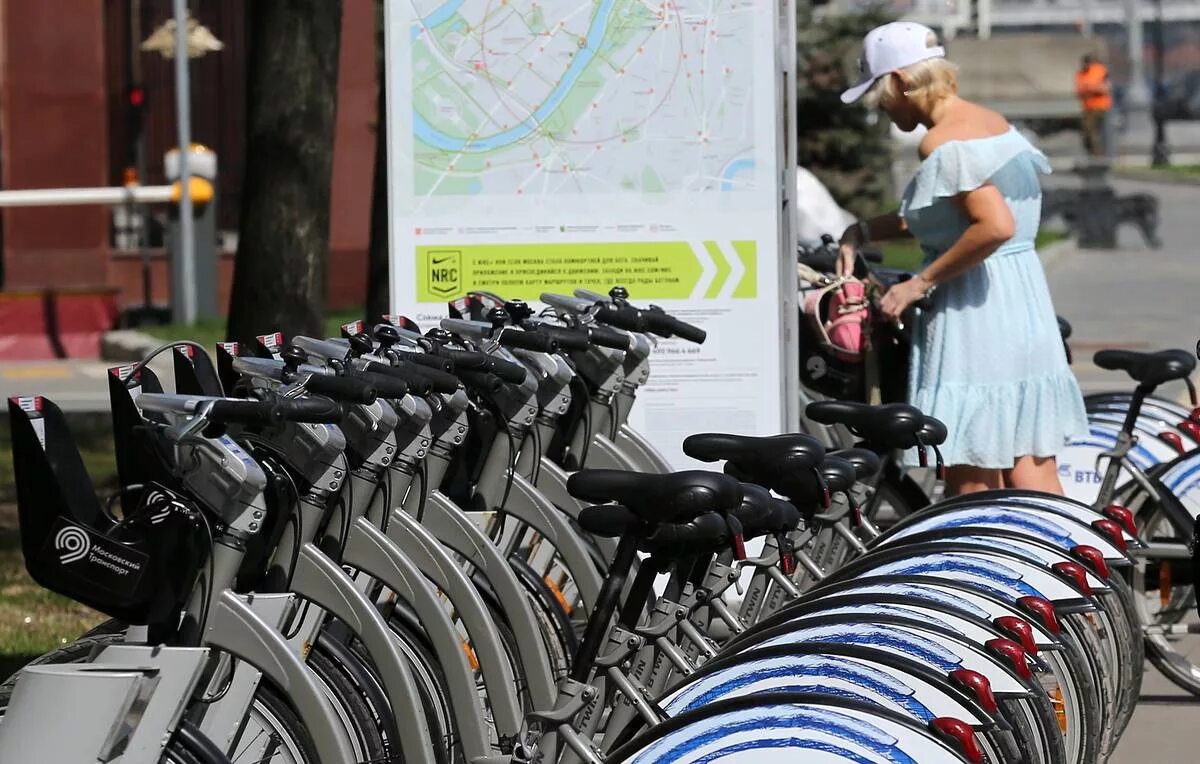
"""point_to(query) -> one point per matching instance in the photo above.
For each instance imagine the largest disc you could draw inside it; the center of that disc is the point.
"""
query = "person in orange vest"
(1095, 94)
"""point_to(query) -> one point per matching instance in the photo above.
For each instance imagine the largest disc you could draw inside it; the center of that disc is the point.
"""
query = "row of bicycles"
(448, 545)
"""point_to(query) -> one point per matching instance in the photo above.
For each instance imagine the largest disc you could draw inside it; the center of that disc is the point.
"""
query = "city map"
(548, 97)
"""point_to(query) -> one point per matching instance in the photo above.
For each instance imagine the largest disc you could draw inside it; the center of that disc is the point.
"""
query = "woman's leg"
(962, 479)
(1035, 473)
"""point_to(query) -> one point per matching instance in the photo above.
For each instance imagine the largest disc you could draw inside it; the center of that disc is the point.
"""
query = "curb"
(127, 345)
(1154, 176)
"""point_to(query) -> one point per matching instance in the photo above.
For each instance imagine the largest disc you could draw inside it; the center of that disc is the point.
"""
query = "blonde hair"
(929, 81)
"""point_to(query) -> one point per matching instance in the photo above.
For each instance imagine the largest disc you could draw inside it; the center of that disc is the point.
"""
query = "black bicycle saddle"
(1148, 368)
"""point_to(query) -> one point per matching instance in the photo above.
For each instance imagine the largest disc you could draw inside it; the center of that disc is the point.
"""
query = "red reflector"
(960, 736)
(1011, 653)
(1020, 630)
(1173, 440)
(978, 685)
(1093, 557)
(1076, 573)
(1191, 429)
(137, 96)
(1122, 516)
(1111, 531)
(1043, 610)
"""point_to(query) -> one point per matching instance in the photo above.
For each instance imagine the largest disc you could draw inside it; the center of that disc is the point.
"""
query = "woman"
(987, 357)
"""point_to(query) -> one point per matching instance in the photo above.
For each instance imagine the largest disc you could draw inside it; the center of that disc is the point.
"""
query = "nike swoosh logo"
(440, 260)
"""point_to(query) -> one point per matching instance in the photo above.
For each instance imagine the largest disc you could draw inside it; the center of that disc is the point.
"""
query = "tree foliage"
(846, 147)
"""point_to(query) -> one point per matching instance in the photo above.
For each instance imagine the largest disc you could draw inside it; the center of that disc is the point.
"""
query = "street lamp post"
(1160, 155)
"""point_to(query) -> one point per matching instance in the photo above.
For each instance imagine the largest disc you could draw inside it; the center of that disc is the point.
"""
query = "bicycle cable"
(421, 475)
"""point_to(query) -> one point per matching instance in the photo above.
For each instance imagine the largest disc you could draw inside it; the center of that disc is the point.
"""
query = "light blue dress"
(987, 356)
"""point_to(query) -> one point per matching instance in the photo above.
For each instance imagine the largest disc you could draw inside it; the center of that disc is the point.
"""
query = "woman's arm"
(886, 227)
(991, 225)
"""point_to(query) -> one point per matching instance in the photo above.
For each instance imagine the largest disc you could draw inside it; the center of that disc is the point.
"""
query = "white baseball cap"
(890, 47)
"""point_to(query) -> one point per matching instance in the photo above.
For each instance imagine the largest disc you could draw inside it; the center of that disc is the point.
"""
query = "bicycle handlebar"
(537, 342)
(349, 389)
(421, 380)
(467, 360)
(652, 320)
(245, 410)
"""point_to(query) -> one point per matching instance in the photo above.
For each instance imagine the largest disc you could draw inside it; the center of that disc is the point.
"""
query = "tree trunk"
(378, 279)
(283, 239)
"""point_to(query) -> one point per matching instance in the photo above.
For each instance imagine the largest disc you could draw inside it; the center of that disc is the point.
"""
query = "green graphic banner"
(649, 270)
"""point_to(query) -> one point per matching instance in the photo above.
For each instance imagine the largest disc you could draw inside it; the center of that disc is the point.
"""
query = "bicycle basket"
(834, 332)
(138, 570)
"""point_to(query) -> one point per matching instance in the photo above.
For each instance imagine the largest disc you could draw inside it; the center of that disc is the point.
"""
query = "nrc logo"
(443, 269)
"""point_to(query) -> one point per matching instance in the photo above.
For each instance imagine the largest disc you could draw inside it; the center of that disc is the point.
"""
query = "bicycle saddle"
(782, 517)
(933, 432)
(893, 425)
(1064, 328)
(657, 498)
(757, 513)
(839, 475)
(749, 452)
(1148, 368)
(866, 463)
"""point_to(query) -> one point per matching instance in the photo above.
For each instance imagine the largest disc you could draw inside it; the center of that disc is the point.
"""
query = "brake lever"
(191, 428)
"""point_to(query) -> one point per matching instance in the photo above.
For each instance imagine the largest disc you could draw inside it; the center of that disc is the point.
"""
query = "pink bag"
(839, 314)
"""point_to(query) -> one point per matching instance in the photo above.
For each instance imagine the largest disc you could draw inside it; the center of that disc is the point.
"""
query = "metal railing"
(66, 197)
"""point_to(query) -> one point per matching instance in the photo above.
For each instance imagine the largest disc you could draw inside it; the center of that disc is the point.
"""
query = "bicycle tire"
(284, 722)
(358, 716)
(431, 686)
(1176, 667)
(190, 746)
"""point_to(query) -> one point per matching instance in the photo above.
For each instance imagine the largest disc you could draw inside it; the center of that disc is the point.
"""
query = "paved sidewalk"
(1139, 299)
(1134, 297)
(76, 386)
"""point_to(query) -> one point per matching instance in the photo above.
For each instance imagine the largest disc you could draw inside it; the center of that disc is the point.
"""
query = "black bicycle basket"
(139, 569)
(823, 372)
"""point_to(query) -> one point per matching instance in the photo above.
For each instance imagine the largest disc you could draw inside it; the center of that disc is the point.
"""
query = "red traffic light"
(137, 96)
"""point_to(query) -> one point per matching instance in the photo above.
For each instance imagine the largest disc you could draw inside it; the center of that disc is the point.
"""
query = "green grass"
(208, 333)
(906, 255)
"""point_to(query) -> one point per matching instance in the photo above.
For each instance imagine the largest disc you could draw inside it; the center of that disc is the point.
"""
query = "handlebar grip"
(385, 386)
(534, 341)
(421, 380)
(312, 410)
(567, 339)
(679, 328)
(430, 361)
(513, 373)
(482, 381)
(346, 389)
(467, 360)
(666, 325)
(622, 318)
(608, 338)
(247, 411)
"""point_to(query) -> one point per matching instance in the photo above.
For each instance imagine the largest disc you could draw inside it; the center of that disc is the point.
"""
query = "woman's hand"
(902, 295)
(851, 241)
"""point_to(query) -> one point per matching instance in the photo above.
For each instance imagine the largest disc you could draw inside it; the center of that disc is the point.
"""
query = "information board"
(545, 145)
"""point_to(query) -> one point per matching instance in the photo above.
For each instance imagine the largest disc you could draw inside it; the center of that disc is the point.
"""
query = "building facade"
(68, 118)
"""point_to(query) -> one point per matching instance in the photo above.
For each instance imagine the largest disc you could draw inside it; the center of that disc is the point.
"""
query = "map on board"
(548, 97)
